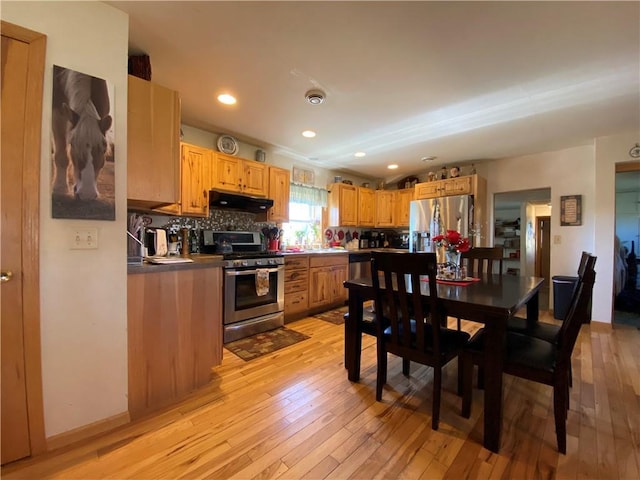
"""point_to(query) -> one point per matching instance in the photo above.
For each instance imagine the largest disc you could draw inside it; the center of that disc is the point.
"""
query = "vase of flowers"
(454, 244)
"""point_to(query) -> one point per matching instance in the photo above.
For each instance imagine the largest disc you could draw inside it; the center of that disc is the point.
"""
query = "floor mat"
(336, 316)
(264, 343)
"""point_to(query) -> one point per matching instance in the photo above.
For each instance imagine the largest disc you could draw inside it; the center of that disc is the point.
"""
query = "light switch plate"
(85, 238)
(557, 239)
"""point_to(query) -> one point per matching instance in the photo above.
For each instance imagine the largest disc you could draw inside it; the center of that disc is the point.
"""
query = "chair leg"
(480, 377)
(560, 413)
(459, 324)
(437, 389)
(405, 366)
(381, 377)
(570, 378)
(460, 376)
(467, 384)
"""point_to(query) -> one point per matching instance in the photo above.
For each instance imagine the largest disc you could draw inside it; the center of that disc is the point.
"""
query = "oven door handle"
(237, 273)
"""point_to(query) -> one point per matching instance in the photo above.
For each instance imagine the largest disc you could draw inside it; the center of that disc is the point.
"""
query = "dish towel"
(262, 281)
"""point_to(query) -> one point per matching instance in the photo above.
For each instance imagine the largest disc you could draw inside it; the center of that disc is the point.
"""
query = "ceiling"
(461, 81)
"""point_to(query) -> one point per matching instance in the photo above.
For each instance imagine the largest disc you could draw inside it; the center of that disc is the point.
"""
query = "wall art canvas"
(82, 147)
(571, 210)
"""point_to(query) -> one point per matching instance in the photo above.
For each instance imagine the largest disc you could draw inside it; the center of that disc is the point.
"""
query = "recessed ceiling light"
(309, 133)
(227, 99)
(360, 154)
(393, 166)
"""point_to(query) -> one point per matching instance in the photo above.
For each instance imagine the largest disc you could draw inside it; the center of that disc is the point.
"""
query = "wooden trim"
(87, 431)
(628, 167)
(31, 229)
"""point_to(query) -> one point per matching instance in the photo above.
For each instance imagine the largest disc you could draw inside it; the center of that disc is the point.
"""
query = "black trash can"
(562, 292)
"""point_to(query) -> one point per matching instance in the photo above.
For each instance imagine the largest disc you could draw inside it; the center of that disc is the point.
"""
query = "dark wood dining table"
(490, 301)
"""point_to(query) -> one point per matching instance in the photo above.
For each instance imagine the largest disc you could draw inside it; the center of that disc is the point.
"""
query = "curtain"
(308, 195)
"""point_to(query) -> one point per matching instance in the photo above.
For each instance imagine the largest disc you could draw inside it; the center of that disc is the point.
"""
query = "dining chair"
(481, 260)
(535, 359)
(409, 324)
(544, 330)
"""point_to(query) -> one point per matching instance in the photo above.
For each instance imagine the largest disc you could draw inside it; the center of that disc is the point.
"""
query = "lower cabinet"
(326, 276)
(296, 286)
(174, 323)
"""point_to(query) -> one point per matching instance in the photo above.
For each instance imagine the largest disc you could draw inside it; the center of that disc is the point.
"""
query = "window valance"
(308, 195)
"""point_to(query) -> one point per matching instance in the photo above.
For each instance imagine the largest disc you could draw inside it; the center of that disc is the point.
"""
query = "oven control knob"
(272, 262)
(258, 262)
(244, 263)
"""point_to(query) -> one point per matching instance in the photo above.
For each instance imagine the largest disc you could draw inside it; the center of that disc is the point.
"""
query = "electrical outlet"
(84, 238)
(557, 239)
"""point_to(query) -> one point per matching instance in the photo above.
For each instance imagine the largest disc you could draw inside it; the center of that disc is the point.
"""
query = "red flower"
(452, 241)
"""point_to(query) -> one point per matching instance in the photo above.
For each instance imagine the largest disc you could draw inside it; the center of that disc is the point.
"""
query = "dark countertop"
(199, 261)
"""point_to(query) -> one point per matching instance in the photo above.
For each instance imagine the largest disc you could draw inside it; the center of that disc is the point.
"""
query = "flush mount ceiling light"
(360, 154)
(393, 166)
(428, 159)
(309, 133)
(227, 99)
(315, 97)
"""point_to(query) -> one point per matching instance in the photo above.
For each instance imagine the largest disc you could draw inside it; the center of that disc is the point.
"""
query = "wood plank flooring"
(293, 414)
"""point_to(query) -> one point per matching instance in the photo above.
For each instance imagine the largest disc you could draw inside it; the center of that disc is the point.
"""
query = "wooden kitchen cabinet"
(279, 186)
(197, 164)
(296, 286)
(366, 207)
(467, 185)
(402, 204)
(326, 276)
(343, 205)
(174, 329)
(235, 174)
(153, 145)
(385, 201)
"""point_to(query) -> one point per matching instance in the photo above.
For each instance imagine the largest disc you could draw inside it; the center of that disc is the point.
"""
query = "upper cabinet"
(279, 185)
(366, 207)
(153, 145)
(343, 205)
(403, 201)
(235, 174)
(385, 204)
(467, 185)
(197, 163)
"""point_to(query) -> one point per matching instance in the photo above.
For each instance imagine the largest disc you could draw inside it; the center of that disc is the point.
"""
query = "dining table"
(490, 300)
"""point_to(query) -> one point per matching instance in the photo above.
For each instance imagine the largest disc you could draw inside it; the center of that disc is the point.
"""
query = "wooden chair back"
(482, 259)
(405, 311)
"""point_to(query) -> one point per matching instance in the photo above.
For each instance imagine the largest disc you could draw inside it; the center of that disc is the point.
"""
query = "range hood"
(234, 201)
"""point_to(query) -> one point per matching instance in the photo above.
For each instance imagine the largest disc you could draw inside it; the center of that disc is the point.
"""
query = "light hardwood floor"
(293, 414)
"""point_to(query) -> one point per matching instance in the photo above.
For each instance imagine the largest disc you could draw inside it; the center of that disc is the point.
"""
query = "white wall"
(83, 292)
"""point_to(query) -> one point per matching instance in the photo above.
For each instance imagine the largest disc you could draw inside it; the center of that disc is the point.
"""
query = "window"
(305, 217)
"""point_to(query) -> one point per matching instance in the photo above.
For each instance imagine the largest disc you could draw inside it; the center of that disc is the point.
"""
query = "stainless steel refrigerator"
(434, 216)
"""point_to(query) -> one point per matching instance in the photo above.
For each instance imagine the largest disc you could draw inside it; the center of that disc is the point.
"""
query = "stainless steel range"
(253, 283)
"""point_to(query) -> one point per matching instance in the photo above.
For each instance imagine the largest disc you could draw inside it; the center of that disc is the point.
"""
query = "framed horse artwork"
(83, 164)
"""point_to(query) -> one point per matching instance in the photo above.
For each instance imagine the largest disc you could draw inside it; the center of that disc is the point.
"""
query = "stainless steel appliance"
(253, 298)
(434, 216)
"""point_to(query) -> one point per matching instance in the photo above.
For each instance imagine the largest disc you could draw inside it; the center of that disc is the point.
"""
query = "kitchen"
(102, 398)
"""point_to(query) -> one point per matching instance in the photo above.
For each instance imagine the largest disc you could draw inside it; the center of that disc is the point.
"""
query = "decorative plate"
(227, 144)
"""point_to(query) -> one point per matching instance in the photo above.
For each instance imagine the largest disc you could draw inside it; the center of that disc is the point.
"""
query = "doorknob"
(5, 276)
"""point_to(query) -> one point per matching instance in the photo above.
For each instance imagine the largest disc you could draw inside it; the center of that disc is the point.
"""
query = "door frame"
(538, 257)
(31, 229)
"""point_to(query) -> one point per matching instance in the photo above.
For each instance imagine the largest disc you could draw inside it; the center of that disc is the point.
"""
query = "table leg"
(495, 333)
(353, 337)
(533, 307)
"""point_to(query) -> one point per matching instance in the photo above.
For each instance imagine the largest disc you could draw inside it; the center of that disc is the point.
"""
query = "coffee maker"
(364, 240)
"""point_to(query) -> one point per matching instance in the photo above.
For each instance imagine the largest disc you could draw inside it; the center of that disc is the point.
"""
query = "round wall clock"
(227, 144)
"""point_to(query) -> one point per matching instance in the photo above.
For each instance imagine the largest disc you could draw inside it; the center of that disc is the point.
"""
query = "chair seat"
(544, 331)
(450, 340)
(522, 350)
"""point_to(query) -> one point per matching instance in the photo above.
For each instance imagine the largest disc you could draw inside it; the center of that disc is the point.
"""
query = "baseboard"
(82, 433)
(602, 327)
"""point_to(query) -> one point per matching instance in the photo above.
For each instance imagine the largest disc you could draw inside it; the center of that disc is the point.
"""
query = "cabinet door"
(384, 208)
(196, 179)
(321, 286)
(366, 207)
(227, 172)
(403, 199)
(338, 277)
(457, 186)
(254, 178)
(343, 205)
(279, 185)
(429, 190)
(153, 144)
